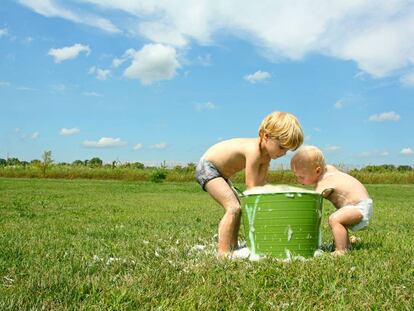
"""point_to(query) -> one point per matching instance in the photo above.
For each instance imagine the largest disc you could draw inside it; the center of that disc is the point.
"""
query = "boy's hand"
(327, 192)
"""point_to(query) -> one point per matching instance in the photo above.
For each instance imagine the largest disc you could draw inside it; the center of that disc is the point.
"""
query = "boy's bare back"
(347, 189)
(233, 155)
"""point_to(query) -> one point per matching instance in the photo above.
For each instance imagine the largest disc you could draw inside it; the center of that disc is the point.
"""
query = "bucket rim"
(276, 189)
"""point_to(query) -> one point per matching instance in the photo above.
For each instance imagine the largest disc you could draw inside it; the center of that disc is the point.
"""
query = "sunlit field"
(133, 245)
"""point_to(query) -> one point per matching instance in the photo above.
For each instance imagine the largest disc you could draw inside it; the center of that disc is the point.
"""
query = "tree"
(139, 165)
(46, 161)
(13, 161)
(3, 162)
(77, 162)
(35, 162)
(95, 162)
(404, 168)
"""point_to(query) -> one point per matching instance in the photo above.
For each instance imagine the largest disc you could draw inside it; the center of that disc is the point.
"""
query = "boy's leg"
(338, 222)
(229, 225)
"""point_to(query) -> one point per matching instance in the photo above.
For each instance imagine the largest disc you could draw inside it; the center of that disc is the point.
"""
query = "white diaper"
(366, 209)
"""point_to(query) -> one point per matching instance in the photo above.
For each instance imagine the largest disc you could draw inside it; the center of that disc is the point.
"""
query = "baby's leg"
(338, 222)
(229, 225)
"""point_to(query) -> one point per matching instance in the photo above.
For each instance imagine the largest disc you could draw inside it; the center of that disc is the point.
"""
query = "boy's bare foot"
(339, 253)
(223, 255)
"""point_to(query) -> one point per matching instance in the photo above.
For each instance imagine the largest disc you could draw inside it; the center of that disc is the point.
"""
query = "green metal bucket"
(282, 224)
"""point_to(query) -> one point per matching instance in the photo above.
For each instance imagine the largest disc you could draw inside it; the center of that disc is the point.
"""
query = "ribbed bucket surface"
(282, 222)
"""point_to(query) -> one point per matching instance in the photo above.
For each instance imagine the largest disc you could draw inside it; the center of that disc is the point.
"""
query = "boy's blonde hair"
(283, 126)
(309, 156)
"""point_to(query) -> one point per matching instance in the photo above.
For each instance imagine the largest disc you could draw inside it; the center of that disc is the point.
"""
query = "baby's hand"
(327, 192)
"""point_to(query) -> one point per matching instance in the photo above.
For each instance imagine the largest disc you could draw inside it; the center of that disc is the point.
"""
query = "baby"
(354, 207)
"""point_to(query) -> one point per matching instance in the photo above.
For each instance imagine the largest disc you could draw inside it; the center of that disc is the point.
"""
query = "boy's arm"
(264, 170)
(254, 173)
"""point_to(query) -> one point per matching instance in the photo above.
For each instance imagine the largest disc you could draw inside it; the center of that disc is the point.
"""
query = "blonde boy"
(278, 133)
(354, 207)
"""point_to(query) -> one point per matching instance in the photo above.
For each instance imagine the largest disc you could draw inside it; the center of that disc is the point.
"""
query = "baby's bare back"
(347, 189)
(229, 156)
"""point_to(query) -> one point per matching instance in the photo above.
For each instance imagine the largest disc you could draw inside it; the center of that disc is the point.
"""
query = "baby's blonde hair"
(309, 156)
(283, 126)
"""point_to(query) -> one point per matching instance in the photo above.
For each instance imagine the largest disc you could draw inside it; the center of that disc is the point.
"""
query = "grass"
(119, 245)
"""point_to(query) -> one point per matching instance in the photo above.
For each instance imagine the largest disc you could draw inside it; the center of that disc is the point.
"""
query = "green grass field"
(119, 245)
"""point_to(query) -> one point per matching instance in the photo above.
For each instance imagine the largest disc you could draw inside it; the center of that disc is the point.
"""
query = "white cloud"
(330, 148)
(376, 34)
(104, 142)
(50, 8)
(35, 135)
(385, 116)
(68, 52)
(100, 74)
(93, 94)
(116, 62)
(3, 32)
(407, 151)
(137, 147)
(205, 106)
(339, 104)
(408, 80)
(258, 76)
(4, 84)
(159, 146)
(152, 63)
(69, 131)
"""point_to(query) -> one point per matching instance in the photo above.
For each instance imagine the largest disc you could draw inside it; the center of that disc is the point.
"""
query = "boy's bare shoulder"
(232, 147)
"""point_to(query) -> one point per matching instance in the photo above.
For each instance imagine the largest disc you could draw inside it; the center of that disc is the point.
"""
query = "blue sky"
(155, 81)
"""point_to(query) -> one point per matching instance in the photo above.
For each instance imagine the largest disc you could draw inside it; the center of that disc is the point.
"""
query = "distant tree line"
(97, 162)
(384, 168)
(94, 168)
(94, 162)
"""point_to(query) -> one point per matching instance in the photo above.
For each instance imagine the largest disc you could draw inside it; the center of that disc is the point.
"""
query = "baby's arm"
(325, 189)
(327, 192)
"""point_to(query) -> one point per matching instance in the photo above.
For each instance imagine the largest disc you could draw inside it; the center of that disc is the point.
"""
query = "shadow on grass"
(367, 245)
(330, 247)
